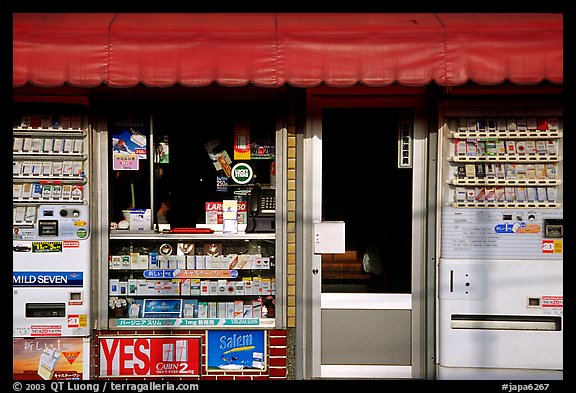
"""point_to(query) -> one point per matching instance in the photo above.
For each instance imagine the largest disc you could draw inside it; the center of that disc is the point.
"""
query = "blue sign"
(159, 273)
(236, 350)
(509, 227)
(47, 279)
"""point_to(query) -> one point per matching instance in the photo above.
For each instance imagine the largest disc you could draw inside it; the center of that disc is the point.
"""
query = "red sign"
(547, 246)
(137, 356)
(553, 301)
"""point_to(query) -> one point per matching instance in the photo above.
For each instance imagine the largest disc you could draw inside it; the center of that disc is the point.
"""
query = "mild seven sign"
(47, 279)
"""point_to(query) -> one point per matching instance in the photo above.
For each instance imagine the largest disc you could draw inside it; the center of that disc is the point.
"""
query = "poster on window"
(54, 358)
(141, 356)
(129, 143)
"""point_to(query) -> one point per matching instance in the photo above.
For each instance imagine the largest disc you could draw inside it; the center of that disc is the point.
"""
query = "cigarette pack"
(56, 191)
(520, 194)
(490, 170)
(553, 124)
(27, 190)
(511, 124)
(30, 214)
(18, 144)
(521, 147)
(204, 287)
(238, 308)
(239, 286)
(541, 147)
(471, 147)
(153, 260)
(16, 190)
(481, 124)
(222, 284)
(247, 311)
(57, 168)
(27, 145)
(48, 145)
(185, 287)
(500, 170)
(530, 194)
(37, 190)
(57, 145)
(480, 194)
(20, 213)
(37, 145)
(230, 288)
(551, 147)
(68, 145)
(195, 287)
(491, 124)
(163, 262)
(551, 171)
(481, 148)
(256, 309)
(16, 167)
(123, 288)
(202, 309)
(256, 286)
(47, 191)
(37, 168)
(247, 282)
(531, 123)
(510, 171)
(480, 171)
(213, 287)
(461, 172)
(509, 194)
(500, 147)
(460, 194)
(115, 262)
(132, 286)
(125, 262)
(542, 124)
(461, 147)
(470, 194)
(188, 310)
(47, 168)
(463, 124)
(491, 149)
(221, 310)
(78, 146)
(113, 287)
(77, 168)
(499, 194)
(134, 260)
(490, 195)
(67, 168)
(541, 195)
(530, 146)
(229, 309)
(521, 124)
(530, 171)
(77, 190)
(142, 261)
(212, 310)
(511, 147)
(46, 121)
(501, 124)
(551, 194)
(520, 171)
(471, 124)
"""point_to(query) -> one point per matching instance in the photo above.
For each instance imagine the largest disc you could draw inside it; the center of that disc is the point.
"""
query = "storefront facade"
(347, 126)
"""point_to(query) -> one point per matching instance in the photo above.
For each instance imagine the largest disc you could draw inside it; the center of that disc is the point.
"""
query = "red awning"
(269, 50)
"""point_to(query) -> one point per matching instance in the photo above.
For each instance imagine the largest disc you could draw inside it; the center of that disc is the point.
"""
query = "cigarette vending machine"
(51, 246)
(500, 272)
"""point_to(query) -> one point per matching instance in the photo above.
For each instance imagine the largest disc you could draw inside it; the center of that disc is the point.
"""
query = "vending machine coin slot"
(553, 228)
(47, 228)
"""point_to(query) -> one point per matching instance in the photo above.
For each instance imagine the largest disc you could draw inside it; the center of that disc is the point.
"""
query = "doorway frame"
(422, 297)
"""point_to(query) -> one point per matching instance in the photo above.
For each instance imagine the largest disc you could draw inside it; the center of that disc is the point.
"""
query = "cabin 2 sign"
(158, 356)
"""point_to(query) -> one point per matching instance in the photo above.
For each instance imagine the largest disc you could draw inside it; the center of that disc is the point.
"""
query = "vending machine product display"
(51, 244)
(500, 294)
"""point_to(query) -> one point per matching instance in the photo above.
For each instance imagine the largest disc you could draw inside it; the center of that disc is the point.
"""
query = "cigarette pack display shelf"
(540, 153)
(206, 274)
(508, 205)
(522, 158)
(216, 236)
(505, 182)
(531, 134)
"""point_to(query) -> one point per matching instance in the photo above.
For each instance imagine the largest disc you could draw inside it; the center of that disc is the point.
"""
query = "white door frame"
(313, 301)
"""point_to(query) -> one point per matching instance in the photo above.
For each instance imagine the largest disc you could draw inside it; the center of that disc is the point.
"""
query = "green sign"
(242, 173)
